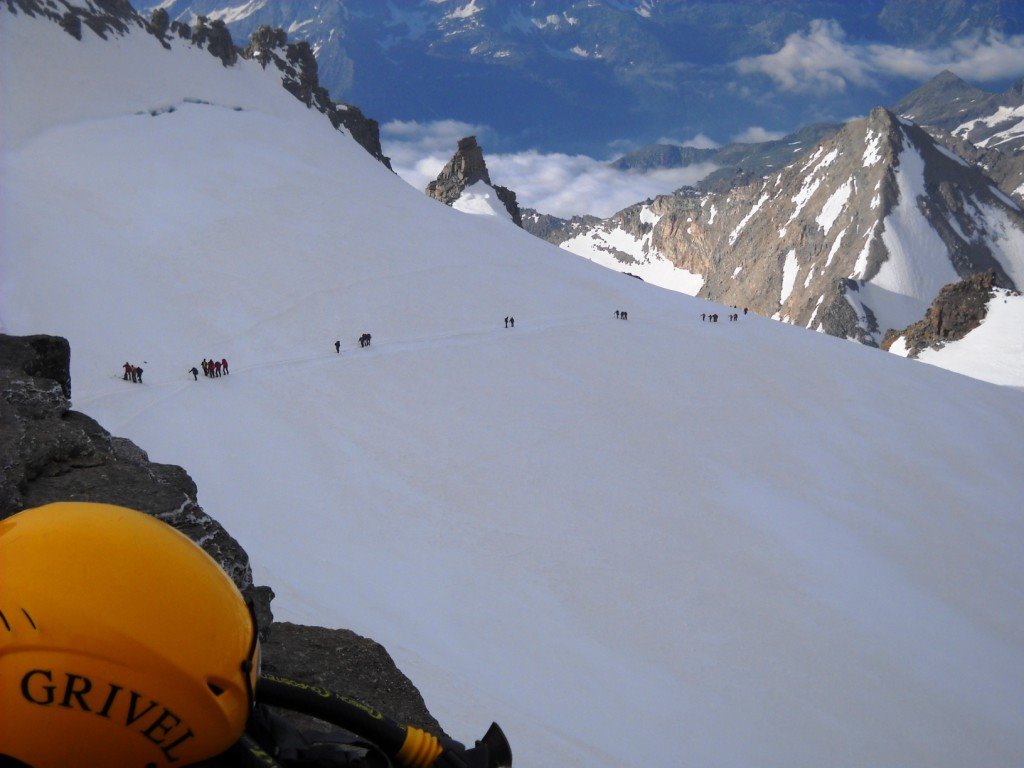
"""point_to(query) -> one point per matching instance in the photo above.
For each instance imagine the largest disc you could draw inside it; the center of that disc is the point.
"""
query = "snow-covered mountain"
(632, 543)
(854, 238)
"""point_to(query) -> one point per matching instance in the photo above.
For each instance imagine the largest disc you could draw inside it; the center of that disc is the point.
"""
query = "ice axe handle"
(409, 746)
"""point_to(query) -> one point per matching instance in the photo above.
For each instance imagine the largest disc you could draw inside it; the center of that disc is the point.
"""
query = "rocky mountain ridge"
(50, 452)
(853, 239)
(295, 61)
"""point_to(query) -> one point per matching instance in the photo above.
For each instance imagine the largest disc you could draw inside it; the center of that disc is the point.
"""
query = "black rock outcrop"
(216, 38)
(466, 168)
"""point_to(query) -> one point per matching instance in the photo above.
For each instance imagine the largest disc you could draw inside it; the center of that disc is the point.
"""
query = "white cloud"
(564, 185)
(756, 134)
(821, 59)
(558, 184)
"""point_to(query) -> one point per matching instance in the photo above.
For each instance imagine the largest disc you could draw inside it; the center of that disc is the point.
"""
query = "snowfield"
(653, 542)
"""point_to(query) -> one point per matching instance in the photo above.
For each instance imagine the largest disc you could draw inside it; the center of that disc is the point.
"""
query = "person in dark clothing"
(506, 321)
(195, 372)
(616, 314)
(337, 346)
(702, 315)
(512, 321)
(744, 310)
(224, 365)
(138, 374)
(206, 367)
(216, 369)
(624, 315)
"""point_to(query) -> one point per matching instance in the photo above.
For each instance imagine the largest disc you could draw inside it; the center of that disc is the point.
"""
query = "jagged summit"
(467, 169)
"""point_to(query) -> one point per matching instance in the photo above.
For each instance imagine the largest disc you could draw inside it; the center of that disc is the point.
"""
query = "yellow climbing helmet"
(121, 642)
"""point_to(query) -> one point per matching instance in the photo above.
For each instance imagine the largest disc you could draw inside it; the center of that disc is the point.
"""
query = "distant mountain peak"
(946, 77)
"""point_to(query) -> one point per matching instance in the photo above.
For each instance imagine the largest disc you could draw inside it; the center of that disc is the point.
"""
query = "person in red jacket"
(224, 365)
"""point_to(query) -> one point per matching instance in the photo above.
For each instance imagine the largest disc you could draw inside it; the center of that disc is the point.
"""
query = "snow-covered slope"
(649, 542)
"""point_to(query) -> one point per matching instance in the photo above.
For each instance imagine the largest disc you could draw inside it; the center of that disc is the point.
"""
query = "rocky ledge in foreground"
(49, 453)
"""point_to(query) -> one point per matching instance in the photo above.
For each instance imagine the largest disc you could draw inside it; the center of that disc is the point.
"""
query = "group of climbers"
(211, 369)
(132, 373)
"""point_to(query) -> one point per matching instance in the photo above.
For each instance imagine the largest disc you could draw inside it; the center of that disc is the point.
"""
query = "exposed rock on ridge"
(957, 310)
(301, 78)
(556, 230)
(467, 167)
